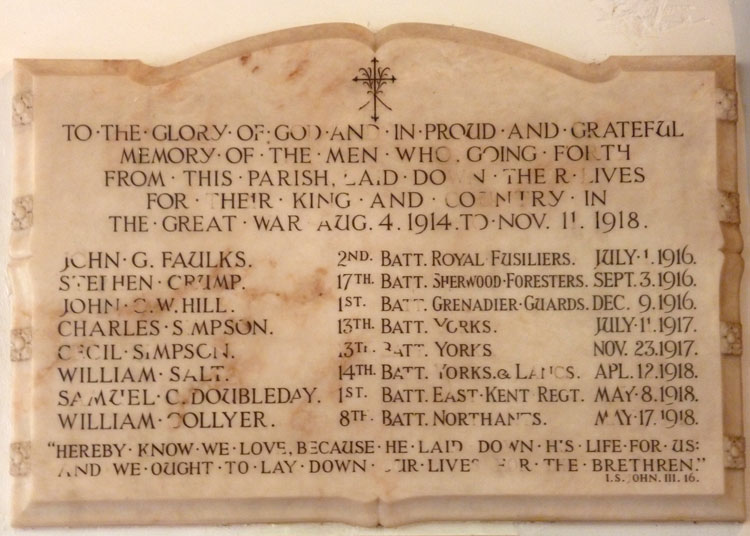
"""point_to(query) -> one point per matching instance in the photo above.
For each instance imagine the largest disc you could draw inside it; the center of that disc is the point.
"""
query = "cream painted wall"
(163, 31)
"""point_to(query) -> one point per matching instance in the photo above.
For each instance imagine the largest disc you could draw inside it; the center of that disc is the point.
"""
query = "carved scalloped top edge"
(724, 66)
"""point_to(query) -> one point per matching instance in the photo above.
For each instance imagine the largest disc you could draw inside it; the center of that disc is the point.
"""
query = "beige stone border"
(729, 506)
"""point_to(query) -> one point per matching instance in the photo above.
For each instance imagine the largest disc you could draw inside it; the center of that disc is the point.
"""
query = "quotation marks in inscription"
(374, 78)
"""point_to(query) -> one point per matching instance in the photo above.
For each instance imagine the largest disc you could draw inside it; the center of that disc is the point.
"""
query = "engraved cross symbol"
(374, 78)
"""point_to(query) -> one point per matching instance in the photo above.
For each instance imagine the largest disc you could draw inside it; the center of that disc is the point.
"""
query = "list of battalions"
(275, 299)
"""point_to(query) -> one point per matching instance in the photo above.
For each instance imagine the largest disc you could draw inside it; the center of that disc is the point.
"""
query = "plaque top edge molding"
(603, 71)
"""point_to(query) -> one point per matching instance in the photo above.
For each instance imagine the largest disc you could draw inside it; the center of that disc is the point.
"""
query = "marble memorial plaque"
(329, 275)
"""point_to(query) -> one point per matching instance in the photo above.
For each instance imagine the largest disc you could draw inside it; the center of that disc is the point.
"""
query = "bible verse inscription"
(317, 269)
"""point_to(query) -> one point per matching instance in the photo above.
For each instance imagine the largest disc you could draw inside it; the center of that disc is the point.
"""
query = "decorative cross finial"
(374, 78)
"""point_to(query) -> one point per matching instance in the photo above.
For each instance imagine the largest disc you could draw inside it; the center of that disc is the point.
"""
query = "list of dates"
(282, 302)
